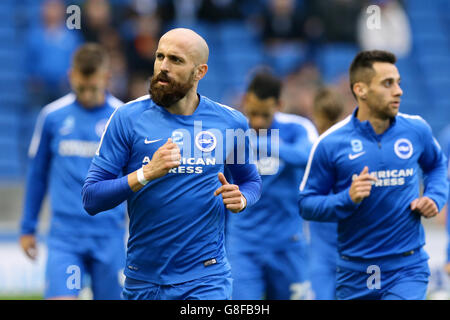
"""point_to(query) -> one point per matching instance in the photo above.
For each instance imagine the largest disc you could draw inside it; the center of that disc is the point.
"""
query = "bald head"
(189, 41)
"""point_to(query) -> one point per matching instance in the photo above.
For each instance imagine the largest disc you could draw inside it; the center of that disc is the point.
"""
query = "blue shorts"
(71, 261)
(407, 283)
(278, 275)
(322, 275)
(214, 287)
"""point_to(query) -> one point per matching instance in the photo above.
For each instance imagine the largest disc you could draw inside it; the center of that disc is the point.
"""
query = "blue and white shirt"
(176, 230)
(383, 223)
(273, 222)
(65, 140)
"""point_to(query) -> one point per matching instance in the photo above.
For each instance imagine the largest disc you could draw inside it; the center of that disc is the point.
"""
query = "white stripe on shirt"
(112, 115)
(335, 127)
(304, 122)
(51, 107)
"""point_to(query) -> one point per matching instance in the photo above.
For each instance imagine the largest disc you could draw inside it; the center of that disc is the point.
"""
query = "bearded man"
(165, 153)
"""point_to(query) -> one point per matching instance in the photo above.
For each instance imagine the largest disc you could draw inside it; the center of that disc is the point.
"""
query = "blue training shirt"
(65, 139)
(176, 223)
(383, 223)
(273, 222)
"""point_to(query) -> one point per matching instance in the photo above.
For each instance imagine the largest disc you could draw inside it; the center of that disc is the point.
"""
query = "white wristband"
(140, 177)
(242, 203)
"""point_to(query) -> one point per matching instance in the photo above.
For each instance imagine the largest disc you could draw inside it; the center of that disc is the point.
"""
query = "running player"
(65, 139)
(172, 148)
(371, 162)
(266, 245)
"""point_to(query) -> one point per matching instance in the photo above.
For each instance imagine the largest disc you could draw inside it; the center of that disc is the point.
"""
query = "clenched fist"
(167, 156)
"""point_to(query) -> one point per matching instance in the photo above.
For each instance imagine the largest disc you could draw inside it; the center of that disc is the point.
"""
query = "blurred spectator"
(219, 10)
(180, 12)
(394, 32)
(338, 18)
(282, 22)
(49, 48)
(96, 19)
(141, 35)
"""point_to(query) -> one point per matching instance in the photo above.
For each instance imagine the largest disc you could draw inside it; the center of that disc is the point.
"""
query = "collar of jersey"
(366, 128)
(95, 108)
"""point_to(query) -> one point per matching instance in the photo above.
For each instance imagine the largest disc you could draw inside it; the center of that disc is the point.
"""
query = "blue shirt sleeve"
(434, 165)
(247, 178)
(296, 153)
(114, 149)
(37, 175)
(316, 201)
(242, 168)
(103, 191)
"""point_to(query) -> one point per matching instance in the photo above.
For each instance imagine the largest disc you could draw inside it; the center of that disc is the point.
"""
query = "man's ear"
(360, 89)
(200, 71)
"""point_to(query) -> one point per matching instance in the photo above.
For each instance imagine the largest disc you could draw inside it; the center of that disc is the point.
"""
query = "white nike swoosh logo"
(356, 155)
(150, 141)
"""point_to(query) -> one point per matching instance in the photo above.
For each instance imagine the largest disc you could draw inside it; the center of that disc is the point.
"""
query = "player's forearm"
(437, 185)
(251, 190)
(247, 178)
(326, 207)
(36, 187)
(103, 190)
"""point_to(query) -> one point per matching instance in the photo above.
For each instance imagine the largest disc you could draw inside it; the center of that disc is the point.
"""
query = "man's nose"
(398, 91)
(165, 65)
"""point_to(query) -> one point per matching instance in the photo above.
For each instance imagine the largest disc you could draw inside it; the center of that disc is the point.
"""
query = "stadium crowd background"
(309, 43)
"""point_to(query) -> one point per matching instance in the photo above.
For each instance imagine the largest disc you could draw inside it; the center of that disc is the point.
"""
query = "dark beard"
(168, 95)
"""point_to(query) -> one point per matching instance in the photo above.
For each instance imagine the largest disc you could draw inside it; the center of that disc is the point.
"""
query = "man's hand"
(361, 186)
(167, 156)
(232, 197)
(28, 244)
(425, 206)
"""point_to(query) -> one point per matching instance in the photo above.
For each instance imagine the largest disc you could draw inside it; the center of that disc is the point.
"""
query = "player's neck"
(187, 105)
(379, 125)
(99, 104)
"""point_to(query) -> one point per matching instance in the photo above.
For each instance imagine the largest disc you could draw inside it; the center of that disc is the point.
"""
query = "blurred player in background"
(65, 139)
(176, 246)
(327, 110)
(370, 162)
(266, 245)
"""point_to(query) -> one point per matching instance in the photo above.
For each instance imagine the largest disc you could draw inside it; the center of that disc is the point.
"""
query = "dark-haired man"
(371, 162)
(266, 245)
(172, 148)
(65, 139)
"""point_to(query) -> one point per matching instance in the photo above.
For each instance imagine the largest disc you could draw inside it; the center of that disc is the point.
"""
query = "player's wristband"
(140, 177)
(242, 203)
